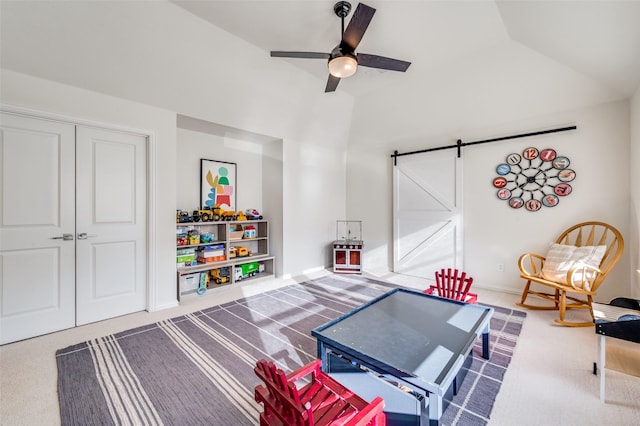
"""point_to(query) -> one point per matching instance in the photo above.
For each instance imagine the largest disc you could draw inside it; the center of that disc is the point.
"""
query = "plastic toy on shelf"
(210, 254)
(202, 288)
(228, 215)
(247, 270)
(207, 238)
(221, 275)
(249, 232)
(252, 214)
(182, 240)
(242, 251)
(194, 237)
(183, 216)
(206, 214)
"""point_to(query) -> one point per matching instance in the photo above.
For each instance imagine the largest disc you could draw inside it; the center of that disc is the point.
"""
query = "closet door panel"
(111, 224)
(37, 227)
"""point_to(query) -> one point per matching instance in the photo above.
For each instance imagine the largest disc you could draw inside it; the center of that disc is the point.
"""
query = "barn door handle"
(65, 237)
(84, 236)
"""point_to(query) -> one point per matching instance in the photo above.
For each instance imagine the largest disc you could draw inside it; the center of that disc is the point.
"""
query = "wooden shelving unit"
(229, 270)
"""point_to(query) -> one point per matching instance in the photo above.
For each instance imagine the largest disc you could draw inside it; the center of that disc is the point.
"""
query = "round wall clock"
(534, 179)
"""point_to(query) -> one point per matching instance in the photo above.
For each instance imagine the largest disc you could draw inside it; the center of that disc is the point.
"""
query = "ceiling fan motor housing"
(342, 8)
(342, 50)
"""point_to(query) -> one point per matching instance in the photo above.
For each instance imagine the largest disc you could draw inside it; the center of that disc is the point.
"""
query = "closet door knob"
(84, 236)
(65, 237)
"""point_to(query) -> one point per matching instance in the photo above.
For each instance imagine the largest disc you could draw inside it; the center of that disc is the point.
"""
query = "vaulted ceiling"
(598, 39)
(475, 63)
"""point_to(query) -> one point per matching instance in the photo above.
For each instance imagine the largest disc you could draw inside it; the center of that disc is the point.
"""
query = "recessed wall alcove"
(259, 171)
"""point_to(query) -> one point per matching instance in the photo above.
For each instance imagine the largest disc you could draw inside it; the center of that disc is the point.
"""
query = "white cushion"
(561, 258)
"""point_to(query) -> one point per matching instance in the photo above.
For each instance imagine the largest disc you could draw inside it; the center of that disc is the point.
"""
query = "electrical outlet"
(500, 267)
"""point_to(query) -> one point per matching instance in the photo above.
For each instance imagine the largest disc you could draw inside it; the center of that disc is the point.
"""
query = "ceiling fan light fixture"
(343, 66)
(343, 61)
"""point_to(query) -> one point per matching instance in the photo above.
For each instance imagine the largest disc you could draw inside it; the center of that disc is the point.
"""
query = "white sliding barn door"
(37, 203)
(111, 224)
(427, 213)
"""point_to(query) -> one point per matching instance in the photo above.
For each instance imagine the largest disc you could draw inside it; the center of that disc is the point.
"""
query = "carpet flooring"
(197, 369)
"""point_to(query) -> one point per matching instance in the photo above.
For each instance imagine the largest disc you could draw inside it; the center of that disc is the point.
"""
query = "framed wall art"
(218, 181)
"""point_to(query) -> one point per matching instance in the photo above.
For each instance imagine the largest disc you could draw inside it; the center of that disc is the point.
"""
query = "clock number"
(548, 154)
(516, 202)
(503, 169)
(530, 153)
(504, 194)
(533, 205)
(499, 182)
(562, 189)
(550, 200)
(566, 175)
(561, 163)
(514, 159)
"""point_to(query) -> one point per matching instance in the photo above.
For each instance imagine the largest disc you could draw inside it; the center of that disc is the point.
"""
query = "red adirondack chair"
(322, 401)
(453, 284)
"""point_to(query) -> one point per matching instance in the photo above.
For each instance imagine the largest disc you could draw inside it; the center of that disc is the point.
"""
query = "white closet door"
(37, 203)
(427, 213)
(110, 224)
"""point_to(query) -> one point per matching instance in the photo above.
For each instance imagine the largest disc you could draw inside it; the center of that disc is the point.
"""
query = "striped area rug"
(197, 369)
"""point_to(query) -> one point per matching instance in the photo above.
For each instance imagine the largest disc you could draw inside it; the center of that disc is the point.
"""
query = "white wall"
(493, 232)
(503, 90)
(634, 232)
(139, 64)
(193, 146)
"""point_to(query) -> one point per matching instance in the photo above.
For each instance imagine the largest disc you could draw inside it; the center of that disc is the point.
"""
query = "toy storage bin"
(236, 232)
(189, 282)
(249, 231)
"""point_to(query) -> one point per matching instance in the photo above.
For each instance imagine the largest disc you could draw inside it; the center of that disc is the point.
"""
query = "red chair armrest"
(431, 290)
(305, 370)
(369, 413)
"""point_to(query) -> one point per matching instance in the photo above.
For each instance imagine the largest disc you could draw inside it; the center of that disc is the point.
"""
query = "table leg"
(435, 409)
(601, 363)
(485, 343)
(322, 355)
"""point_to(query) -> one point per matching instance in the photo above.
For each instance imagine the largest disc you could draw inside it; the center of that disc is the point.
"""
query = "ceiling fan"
(343, 60)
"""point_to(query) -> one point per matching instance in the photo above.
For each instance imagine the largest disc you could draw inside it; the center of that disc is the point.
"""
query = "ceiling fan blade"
(332, 84)
(381, 62)
(303, 55)
(357, 26)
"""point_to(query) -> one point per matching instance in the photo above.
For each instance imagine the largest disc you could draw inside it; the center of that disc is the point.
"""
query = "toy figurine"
(183, 216)
(253, 214)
